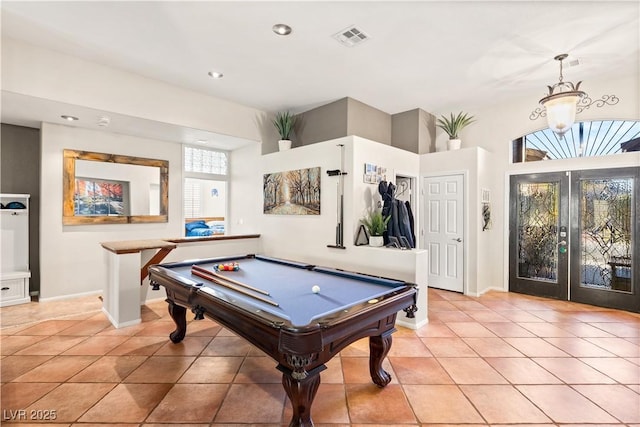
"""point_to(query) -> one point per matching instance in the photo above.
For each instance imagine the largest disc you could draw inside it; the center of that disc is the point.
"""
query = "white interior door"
(444, 231)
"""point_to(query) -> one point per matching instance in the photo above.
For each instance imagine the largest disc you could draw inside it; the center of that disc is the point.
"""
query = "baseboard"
(491, 289)
(120, 325)
(411, 325)
(70, 296)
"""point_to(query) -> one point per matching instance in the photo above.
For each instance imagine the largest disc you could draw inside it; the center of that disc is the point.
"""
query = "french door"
(539, 219)
(573, 236)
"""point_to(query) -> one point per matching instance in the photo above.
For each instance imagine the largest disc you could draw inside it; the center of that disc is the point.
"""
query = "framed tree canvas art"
(295, 192)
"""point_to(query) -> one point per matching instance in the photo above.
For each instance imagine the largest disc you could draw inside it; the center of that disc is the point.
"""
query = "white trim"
(123, 324)
(70, 296)
(491, 288)
(505, 232)
(405, 324)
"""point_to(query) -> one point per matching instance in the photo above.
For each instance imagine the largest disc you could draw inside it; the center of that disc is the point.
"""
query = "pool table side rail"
(219, 260)
(169, 279)
(363, 322)
(323, 341)
(378, 280)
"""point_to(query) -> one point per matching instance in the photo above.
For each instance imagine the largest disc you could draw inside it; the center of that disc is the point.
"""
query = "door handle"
(457, 240)
(562, 246)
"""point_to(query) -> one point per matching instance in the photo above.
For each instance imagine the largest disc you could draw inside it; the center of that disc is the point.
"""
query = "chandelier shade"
(561, 103)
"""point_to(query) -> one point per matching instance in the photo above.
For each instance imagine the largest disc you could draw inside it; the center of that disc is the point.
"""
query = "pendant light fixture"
(562, 102)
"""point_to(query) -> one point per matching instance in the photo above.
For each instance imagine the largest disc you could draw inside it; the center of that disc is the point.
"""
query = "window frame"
(206, 177)
(588, 138)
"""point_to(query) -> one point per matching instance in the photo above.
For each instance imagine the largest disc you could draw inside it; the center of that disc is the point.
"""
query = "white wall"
(71, 258)
(305, 237)
(245, 190)
(474, 164)
(43, 73)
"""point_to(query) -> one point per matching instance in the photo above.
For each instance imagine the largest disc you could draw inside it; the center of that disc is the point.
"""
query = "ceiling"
(434, 55)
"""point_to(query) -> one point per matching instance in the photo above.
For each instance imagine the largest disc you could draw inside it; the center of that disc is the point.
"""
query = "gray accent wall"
(341, 118)
(412, 130)
(329, 121)
(368, 122)
(20, 152)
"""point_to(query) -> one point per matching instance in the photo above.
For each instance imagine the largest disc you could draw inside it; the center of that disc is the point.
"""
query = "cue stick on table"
(207, 276)
(235, 282)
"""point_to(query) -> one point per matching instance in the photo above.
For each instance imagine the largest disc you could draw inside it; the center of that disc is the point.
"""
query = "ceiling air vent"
(351, 36)
(574, 62)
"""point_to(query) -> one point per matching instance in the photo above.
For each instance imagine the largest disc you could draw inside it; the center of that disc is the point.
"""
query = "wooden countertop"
(213, 238)
(133, 246)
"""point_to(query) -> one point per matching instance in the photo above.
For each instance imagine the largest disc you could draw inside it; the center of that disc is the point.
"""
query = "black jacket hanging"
(413, 230)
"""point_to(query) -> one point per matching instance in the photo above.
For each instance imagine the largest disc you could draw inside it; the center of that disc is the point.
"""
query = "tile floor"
(499, 360)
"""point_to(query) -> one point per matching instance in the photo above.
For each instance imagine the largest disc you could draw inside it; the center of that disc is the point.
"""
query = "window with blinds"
(205, 191)
(192, 198)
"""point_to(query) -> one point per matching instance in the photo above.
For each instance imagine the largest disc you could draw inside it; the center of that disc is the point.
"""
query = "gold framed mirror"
(101, 188)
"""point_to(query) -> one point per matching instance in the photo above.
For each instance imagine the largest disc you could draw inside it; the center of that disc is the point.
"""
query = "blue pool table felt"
(290, 287)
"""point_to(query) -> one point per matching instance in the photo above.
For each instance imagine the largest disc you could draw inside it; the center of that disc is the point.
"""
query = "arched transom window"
(596, 138)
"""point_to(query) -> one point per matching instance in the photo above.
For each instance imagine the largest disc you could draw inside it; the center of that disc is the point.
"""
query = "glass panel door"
(604, 238)
(538, 235)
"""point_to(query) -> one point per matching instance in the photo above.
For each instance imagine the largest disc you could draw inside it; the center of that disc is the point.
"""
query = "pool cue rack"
(340, 225)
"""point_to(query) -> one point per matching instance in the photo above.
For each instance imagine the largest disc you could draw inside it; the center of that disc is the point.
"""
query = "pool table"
(272, 304)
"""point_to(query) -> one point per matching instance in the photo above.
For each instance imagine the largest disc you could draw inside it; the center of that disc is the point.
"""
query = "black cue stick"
(340, 201)
(340, 241)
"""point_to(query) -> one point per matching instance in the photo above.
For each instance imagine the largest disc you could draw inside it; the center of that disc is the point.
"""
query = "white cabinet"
(14, 249)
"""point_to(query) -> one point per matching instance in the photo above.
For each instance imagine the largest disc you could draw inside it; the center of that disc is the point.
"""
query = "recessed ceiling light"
(69, 118)
(215, 74)
(281, 29)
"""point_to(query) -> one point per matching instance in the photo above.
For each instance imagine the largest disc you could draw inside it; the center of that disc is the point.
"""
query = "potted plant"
(284, 123)
(453, 125)
(376, 225)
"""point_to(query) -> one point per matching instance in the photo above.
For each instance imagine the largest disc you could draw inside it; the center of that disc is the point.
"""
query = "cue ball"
(315, 289)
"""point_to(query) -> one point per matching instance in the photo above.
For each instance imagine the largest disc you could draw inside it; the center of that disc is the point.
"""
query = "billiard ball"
(315, 289)
(230, 266)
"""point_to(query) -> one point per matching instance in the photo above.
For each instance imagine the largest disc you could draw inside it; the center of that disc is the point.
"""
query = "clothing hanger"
(403, 187)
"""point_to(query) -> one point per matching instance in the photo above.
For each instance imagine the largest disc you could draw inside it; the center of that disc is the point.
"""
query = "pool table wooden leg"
(179, 316)
(301, 394)
(379, 346)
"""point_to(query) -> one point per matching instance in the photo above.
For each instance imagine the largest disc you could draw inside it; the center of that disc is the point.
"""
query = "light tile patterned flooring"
(499, 360)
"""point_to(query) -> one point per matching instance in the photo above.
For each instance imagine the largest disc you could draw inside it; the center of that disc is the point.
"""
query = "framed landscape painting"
(294, 192)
